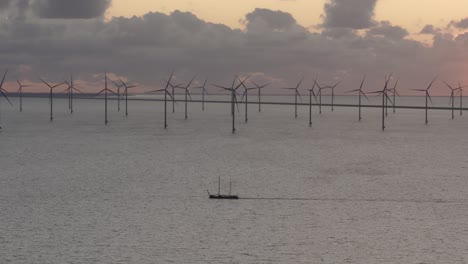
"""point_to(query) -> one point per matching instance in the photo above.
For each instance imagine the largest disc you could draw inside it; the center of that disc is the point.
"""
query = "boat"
(223, 196)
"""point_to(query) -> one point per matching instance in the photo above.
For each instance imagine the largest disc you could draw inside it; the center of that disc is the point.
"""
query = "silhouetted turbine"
(233, 98)
(20, 91)
(203, 88)
(105, 91)
(296, 94)
(320, 96)
(428, 96)
(70, 89)
(460, 93)
(312, 93)
(384, 97)
(452, 98)
(126, 94)
(395, 93)
(187, 95)
(246, 94)
(51, 96)
(333, 94)
(3, 91)
(166, 93)
(260, 94)
(118, 86)
(360, 92)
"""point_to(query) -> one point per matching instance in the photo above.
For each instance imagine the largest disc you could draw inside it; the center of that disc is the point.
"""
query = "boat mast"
(219, 185)
(229, 187)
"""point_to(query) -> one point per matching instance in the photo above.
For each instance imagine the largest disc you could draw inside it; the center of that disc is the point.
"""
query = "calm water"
(76, 191)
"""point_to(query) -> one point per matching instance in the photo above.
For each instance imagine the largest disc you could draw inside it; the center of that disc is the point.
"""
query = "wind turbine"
(428, 96)
(3, 91)
(360, 92)
(260, 87)
(51, 87)
(460, 92)
(70, 89)
(203, 88)
(166, 93)
(384, 97)
(296, 94)
(320, 96)
(187, 95)
(333, 94)
(233, 98)
(105, 91)
(126, 94)
(452, 98)
(20, 91)
(395, 93)
(118, 86)
(312, 93)
(246, 94)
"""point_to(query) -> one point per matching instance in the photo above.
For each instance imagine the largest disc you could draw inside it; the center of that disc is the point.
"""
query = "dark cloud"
(70, 9)
(461, 24)
(54, 9)
(386, 29)
(272, 20)
(355, 14)
(272, 47)
(429, 29)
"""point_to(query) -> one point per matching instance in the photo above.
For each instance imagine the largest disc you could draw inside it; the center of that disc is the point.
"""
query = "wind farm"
(233, 132)
(274, 160)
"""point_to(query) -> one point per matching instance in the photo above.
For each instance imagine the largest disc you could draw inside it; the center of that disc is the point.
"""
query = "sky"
(274, 41)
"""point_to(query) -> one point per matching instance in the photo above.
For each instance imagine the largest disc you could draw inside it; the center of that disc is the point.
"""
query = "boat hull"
(226, 197)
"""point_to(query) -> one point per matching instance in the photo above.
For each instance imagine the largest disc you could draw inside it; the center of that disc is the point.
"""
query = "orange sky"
(411, 14)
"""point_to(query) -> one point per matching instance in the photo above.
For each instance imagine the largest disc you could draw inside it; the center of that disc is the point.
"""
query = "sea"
(341, 191)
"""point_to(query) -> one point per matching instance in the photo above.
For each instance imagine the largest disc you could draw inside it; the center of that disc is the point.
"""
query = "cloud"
(461, 24)
(386, 29)
(429, 29)
(355, 14)
(55, 9)
(273, 48)
(70, 9)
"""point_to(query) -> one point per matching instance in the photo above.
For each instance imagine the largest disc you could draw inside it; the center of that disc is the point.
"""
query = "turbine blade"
(57, 85)
(3, 79)
(430, 99)
(190, 83)
(299, 84)
(190, 96)
(169, 80)
(300, 97)
(222, 87)
(155, 91)
(362, 83)
(353, 91)
(6, 97)
(168, 93)
(258, 86)
(44, 82)
(110, 91)
(430, 85)
(448, 85)
(365, 96)
(100, 92)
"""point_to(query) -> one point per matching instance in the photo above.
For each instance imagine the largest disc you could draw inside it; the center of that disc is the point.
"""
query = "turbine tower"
(20, 91)
(3, 92)
(296, 94)
(361, 93)
(105, 91)
(428, 96)
(51, 87)
(166, 93)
